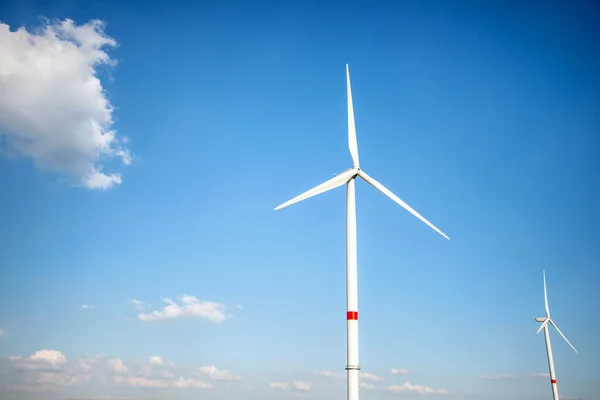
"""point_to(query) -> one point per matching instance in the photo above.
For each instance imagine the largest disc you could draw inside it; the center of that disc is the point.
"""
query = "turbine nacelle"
(355, 170)
(541, 319)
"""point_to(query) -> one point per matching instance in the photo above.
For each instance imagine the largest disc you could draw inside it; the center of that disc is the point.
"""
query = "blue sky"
(483, 116)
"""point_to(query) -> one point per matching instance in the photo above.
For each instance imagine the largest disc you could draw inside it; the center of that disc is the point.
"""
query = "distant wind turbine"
(347, 177)
(544, 326)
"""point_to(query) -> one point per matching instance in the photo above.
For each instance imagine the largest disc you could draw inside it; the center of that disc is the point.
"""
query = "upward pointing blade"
(352, 143)
(564, 337)
(392, 196)
(323, 187)
(546, 296)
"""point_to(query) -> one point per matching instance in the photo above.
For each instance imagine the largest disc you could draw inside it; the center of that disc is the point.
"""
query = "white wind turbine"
(544, 326)
(347, 177)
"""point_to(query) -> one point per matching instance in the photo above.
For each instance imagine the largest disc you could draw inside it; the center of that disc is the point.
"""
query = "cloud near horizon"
(370, 377)
(190, 307)
(366, 385)
(215, 374)
(53, 108)
(40, 360)
(329, 374)
(299, 386)
(417, 389)
(49, 371)
(540, 375)
(155, 360)
(496, 376)
(399, 371)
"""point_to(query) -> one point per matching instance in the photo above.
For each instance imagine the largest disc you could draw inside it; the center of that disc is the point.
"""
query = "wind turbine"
(347, 177)
(544, 326)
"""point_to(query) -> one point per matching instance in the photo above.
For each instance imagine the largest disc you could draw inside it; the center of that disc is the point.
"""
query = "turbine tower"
(544, 326)
(348, 177)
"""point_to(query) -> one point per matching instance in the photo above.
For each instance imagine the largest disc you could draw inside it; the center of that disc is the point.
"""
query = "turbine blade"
(564, 337)
(392, 196)
(352, 143)
(334, 182)
(546, 296)
(542, 326)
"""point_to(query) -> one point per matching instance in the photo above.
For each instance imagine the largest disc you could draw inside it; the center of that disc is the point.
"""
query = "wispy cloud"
(366, 385)
(53, 108)
(540, 375)
(300, 386)
(496, 376)
(155, 360)
(417, 389)
(138, 304)
(49, 370)
(216, 374)
(87, 306)
(399, 371)
(117, 366)
(329, 374)
(370, 377)
(279, 385)
(190, 307)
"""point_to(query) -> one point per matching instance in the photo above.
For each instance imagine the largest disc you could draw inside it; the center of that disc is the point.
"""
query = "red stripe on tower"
(352, 315)
(553, 381)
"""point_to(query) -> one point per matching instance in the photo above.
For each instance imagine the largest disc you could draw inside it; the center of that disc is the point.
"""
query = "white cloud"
(496, 376)
(297, 386)
(49, 370)
(216, 374)
(117, 366)
(40, 360)
(140, 381)
(155, 360)
(370, 377)
(399, 371)
(279, 385)
(53, 357)
(144, 382)
(300, 385)
(417, 389)
(366, 385)
(191, 383)
(86, 365)
(329, 374)
(190, 307)
(151, 371)
(46, 370)
(540, 375)
(62, 378)
(139, 305)
(53, 108)
(87, 306)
